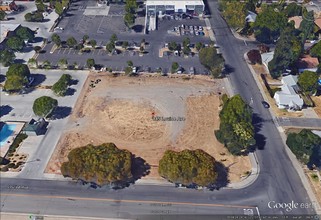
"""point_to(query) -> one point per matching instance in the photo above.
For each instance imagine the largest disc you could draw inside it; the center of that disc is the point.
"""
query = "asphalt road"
(300, 122)
(278, 181)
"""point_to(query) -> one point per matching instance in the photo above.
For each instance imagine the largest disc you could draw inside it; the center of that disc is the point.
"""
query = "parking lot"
(100, 28)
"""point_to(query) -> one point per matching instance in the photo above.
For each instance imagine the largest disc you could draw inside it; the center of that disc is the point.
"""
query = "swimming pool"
(5, 132)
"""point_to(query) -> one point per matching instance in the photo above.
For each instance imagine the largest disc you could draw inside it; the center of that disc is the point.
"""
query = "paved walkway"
(299, 122)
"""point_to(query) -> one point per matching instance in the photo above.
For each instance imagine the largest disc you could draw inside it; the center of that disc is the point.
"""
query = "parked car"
(265, 104)
(192, 70)
(200, 28)
(134, 69)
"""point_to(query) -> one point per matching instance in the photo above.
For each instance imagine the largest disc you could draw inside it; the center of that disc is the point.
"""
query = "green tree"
(129, 19)
(306, 146)
(17, 77)
(58, 8)
(37, 17)
(186, 50)
(308, 82)
(131, 6)
(7, 57)
(287, 51)
(3, 15)
(172, 46)
(293, 9)
(199, 46)
(211, 60)
(28, 17)
(15, 43)
(188, 167)
(175, 67)
(18, 69)
(25, 33)
(56, 39)
(269, 24)
(128, 70)
(63, 63)
(236, 131)
(307, 26)
(46, 64)
(32, 62)
(90, 63)
(186, 42)
(103, 164)
(71, 42)
(61, 86)
(234, 13)
(125, 44)
(316, 50)
(85, 37)
(93, 43)
(130, 63)
(40, 7)
(15, 83)
(44, 106)
(110, 47)
(113, 38)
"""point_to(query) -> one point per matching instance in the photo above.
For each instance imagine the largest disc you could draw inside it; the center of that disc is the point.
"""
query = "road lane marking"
(128, 201)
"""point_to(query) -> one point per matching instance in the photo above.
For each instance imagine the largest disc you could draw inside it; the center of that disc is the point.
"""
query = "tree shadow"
(260, 139)
(38, 79)
(139, 168)
(70, 92)
(19, 61)
(228, 69)
(222, 177)
(37, 39)
(138, 28)
(73, 82)
(2, 78)
(5, 109)
(61, 112)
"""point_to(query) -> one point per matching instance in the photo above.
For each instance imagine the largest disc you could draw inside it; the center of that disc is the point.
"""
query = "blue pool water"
(5, 132)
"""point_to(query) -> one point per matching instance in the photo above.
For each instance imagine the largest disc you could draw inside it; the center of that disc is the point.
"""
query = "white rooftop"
(290, 80)
(174, 2)
(4, 28)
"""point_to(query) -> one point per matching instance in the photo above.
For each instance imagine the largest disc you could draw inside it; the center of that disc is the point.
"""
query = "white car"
(134, 69)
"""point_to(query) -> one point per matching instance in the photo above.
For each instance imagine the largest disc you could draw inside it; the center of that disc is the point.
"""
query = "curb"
(291, 156)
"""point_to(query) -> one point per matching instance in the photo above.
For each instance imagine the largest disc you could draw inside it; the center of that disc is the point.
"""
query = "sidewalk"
(291, 156)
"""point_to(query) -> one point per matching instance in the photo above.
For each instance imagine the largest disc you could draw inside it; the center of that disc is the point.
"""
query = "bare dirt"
(317, 103)
(121, 110)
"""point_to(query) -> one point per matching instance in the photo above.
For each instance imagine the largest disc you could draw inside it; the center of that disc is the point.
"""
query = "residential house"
(288, 98)
(266, 58)
(307, 63)
(297, 21)
(8, 5)
(251, 17)
(6, 30)
(35, 127)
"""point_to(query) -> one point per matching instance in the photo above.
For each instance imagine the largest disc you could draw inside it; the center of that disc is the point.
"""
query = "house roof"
(286, 99)
(251, 17)
(308, 62)
(318, 22)
(297, 21)
(290, 80)
(174, 2)
(267, 57)
(5, 28)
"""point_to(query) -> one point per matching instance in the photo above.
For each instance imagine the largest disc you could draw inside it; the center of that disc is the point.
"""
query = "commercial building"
(159, 7)
(7, 30)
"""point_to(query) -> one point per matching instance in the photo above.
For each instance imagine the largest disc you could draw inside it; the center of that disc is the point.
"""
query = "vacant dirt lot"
(121, 110)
